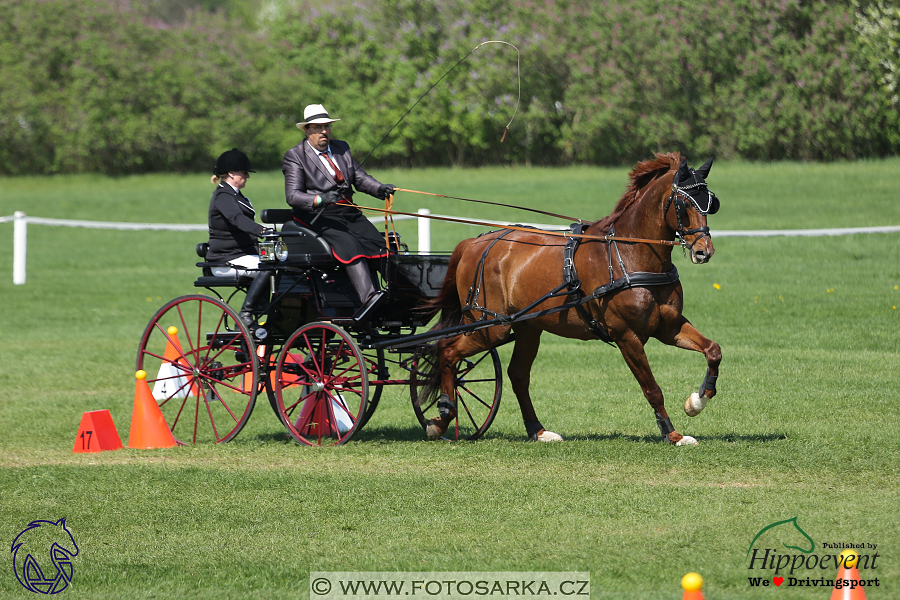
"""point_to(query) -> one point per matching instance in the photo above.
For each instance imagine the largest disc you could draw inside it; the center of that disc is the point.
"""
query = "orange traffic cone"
(148, 426)
(692, 584)
(172, 381)
(848, 578)
(96, 433)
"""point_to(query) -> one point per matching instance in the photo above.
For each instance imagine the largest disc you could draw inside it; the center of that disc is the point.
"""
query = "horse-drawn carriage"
(323, 364)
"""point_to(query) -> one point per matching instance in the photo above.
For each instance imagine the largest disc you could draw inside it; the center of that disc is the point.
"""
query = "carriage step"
(231, 281)
(222, 339)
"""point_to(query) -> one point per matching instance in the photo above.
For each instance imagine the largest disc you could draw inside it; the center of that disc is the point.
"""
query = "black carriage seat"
(208, 280)
(305, 246)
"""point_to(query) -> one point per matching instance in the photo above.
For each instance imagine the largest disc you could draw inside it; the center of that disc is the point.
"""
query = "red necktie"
(338, 176)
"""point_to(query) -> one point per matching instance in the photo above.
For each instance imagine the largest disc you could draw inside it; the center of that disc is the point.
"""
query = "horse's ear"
(704, 170)
(683, 171)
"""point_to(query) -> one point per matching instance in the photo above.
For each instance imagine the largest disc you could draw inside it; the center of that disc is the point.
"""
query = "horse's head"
(691, 202)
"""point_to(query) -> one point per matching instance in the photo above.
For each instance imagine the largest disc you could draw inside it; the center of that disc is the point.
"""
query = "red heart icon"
(777, 580)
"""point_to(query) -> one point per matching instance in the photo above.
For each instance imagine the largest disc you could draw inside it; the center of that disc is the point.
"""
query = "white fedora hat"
(315, 113)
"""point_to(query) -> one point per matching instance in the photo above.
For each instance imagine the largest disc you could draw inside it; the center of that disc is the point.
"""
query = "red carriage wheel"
(479, 384)
(321, 385)
(201, 367)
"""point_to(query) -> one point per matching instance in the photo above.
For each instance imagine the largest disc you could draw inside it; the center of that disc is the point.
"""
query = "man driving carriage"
(318, 174)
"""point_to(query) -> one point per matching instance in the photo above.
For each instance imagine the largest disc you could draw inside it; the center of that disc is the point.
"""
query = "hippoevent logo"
(30, 552)
(782, 553)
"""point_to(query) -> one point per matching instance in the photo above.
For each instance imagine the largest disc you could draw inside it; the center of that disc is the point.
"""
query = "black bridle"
(683, 197)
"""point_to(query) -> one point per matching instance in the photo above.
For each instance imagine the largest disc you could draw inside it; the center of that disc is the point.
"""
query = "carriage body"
(322, 368)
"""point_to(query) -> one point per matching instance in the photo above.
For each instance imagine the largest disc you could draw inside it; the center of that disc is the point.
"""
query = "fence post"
(20, 245)
(424, 231)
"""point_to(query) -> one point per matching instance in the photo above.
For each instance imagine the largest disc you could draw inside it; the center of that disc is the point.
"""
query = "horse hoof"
(433, 431)
(694, 404)
(549, 436)
(687, 441)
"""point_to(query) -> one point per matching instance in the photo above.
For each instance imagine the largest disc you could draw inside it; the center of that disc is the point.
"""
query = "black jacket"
(232, 230)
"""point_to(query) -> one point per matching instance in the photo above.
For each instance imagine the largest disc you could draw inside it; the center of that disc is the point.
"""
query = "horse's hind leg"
(689, 338)
(632, 349)
(449, 353)
(528, 340)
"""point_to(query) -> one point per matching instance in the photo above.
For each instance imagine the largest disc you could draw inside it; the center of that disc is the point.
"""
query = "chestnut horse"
(500, 273)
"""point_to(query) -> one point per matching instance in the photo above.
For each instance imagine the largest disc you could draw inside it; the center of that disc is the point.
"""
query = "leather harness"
(571, 286)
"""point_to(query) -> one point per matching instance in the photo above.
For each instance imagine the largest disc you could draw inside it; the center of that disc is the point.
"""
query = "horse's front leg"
(632, 349)
(689, 338)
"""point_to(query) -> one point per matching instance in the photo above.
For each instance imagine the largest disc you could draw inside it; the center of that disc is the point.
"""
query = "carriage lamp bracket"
(272, 250)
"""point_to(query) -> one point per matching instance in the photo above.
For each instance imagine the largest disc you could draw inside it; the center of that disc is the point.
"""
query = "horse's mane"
(642, 174)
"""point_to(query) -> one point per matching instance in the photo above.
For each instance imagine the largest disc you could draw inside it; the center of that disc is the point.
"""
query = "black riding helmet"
(233, 160)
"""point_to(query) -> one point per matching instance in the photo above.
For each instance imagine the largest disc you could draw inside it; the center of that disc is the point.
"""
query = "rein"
(534, 210)
(563, 234)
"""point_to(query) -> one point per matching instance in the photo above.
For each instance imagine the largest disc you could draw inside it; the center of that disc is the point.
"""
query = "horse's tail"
(446, 303)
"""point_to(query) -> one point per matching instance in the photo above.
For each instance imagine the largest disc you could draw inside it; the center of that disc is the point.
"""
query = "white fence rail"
(20, 231)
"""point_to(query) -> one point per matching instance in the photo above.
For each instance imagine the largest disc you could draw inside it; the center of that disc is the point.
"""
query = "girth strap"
(636, 279)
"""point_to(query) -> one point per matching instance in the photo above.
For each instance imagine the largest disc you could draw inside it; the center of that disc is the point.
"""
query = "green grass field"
(803, 424)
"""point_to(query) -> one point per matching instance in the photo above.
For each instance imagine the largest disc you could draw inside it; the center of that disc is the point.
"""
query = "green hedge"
(108, 86)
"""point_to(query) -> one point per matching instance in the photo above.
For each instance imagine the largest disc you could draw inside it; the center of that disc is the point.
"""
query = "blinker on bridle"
(679, 195)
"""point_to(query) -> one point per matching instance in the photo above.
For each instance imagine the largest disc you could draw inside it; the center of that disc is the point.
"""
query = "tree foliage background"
(121, 86)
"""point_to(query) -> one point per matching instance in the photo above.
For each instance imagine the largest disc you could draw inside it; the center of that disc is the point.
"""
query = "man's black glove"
(327, 198)
(385, 190)
(266, 231)
(345, 191)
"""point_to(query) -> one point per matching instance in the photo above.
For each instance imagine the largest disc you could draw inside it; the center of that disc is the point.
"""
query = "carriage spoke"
(321, 372)
(477, 397)
(201, 360)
